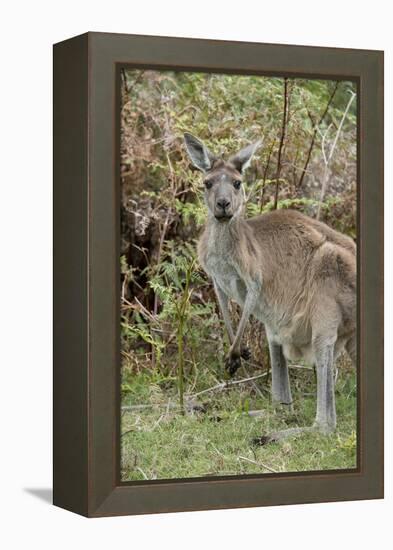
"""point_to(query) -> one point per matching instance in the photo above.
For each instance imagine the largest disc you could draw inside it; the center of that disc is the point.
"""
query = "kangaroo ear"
(199, 154)
(242, 159)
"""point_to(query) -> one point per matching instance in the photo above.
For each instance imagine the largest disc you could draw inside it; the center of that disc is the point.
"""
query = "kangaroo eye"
(237, 184)
(208, 184)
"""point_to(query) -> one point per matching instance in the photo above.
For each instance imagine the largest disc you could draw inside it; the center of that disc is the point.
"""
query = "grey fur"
(293, 273)
(281, 390)
(242, 159)
(198, 153)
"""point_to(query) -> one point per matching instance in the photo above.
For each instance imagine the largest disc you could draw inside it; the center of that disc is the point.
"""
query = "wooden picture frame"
(86, 274)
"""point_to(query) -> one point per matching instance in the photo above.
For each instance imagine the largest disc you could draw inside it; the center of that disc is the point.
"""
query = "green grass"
(158, 442)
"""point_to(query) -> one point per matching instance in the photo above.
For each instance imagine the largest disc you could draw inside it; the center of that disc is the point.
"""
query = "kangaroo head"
(224, 193)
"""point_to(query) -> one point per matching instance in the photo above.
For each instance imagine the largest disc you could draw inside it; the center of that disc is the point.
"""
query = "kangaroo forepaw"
(245, 353)
(232, 364)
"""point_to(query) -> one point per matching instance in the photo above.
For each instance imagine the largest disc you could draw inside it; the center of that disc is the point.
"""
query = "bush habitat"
(180, 416)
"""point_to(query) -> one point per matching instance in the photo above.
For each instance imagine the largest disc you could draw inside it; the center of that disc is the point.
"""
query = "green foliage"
(349, 443)
(191, 211)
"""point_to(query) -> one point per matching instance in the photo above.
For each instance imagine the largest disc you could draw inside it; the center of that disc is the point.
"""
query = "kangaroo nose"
(223, 203)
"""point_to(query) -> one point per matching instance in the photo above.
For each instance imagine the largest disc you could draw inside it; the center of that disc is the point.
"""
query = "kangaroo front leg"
(281, 390)
(223, 301)
(233, 361)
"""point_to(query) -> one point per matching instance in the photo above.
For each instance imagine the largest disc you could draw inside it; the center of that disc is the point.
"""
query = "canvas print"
(238, 274)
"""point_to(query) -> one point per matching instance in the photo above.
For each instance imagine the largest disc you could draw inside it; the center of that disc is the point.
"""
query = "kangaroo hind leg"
(281, 391)
(351, 347)
(325, 420)
(324, 336)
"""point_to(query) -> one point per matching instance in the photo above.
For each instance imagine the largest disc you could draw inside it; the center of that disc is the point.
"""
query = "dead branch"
(328, 154)
(128, 87)
(264, 177)
(282, 141)
(314, 134)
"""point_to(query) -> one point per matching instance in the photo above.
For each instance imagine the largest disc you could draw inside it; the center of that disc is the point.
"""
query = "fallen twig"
(260, 464)
(142, 472)
(253, 383)
(299, 367)
(228, 384)
(190, 406)
(255, 414)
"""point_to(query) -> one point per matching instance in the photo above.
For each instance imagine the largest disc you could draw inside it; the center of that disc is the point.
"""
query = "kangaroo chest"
(283, 327)
(224, 272)
(288, 332)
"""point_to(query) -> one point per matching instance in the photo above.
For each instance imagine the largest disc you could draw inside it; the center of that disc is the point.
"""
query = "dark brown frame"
(86, 274)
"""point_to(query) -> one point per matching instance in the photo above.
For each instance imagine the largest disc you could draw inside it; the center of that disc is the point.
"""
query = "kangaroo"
(293, 273)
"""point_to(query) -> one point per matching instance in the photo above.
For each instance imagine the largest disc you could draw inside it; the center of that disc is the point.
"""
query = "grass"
(214, 438)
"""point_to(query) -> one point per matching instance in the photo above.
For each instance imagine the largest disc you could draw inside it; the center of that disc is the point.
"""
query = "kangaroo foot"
(324, 428)
(280, 435)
